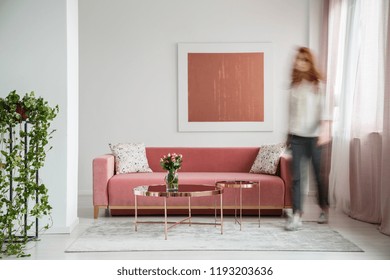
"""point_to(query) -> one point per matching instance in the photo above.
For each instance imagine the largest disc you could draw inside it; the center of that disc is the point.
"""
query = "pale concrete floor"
(376, 246)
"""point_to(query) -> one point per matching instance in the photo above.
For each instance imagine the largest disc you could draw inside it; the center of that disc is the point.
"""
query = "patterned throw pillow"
(267, 159)
(130, 157)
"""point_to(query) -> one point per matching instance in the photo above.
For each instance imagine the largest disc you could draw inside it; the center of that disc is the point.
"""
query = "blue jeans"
(306, 147)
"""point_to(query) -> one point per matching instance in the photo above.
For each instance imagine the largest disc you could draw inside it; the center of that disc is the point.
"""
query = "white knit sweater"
(307, 109)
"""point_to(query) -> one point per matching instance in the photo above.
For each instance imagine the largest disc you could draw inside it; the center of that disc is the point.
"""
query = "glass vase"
(172, 181)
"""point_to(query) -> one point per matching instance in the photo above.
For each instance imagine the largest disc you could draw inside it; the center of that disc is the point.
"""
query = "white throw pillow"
(130, 157)
(267, 159)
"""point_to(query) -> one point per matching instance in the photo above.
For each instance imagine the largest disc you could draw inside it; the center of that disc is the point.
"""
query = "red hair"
(313, 75)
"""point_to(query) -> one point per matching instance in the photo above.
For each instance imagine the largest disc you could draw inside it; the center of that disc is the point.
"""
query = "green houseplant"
(24, 141)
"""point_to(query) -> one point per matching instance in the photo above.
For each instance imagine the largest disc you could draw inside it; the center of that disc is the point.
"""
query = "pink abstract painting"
(226, 87)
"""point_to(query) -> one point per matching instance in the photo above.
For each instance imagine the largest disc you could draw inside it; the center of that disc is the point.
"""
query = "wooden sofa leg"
(96, 212)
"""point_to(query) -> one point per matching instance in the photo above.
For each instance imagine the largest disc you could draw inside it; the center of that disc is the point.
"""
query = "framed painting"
(225, 87)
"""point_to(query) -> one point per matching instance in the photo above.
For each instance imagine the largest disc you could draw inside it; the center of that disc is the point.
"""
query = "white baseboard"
(63, 230)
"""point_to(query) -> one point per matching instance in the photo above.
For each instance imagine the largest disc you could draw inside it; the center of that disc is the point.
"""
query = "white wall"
(128, 67)
(128, 73)
(72, 49)
(34, 57)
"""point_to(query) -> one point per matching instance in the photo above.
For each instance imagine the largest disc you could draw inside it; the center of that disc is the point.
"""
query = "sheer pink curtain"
(339, 194)
(385, 186)
(357, 55)
(367, 114)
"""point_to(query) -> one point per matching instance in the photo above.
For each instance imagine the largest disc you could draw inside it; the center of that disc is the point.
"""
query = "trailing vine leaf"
(24, 138)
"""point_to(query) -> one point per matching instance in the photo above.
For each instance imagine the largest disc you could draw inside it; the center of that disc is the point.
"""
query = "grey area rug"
(120, 236)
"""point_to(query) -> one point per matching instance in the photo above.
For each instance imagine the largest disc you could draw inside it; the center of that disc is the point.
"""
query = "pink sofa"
(114, 192)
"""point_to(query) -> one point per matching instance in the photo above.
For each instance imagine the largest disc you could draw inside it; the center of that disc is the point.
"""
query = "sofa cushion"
(130, 157)
(120, 188)
(267, 159)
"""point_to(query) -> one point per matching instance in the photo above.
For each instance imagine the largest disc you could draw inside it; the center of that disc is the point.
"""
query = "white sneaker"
(323, 218)
(295, 223)
(288, 213)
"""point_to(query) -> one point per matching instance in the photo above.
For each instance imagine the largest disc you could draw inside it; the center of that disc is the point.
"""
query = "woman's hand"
(325, 133)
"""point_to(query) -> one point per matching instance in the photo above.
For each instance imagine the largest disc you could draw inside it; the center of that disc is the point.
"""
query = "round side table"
(238, 184)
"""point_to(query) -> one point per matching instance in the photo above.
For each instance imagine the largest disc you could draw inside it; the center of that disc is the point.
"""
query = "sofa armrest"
(103, 168)
(286, 175)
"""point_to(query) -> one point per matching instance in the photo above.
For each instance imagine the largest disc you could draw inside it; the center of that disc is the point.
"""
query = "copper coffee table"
(240, 185)
(189, 191)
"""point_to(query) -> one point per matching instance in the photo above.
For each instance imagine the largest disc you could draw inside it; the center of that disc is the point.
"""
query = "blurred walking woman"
(306, 118)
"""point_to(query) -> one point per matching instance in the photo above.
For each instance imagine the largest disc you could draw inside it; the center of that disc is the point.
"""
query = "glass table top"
(185, 190)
